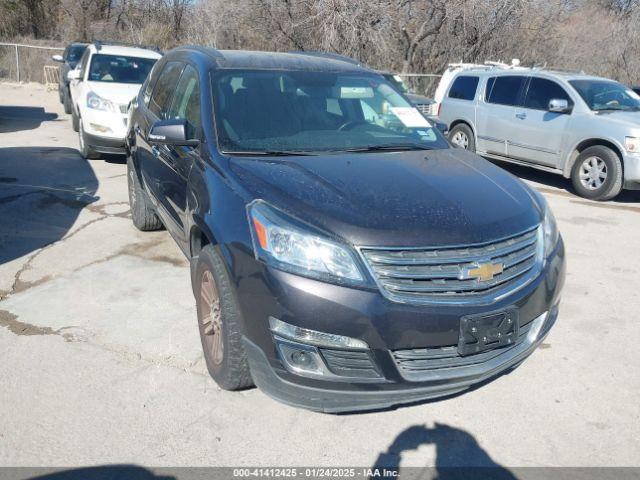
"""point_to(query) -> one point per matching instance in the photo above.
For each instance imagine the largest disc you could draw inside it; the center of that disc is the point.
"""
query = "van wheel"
(85, 149)
(219, 323)
(142, 213)
(461, 136)
(75, 120)
(66, 101)
(597, 173)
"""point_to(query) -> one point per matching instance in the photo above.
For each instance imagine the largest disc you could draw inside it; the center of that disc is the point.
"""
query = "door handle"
(521, 115)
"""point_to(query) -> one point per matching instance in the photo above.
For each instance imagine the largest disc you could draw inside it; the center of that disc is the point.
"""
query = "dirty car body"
(368, 262)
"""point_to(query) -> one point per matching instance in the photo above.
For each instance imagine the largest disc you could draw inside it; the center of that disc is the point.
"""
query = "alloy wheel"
(210, 317)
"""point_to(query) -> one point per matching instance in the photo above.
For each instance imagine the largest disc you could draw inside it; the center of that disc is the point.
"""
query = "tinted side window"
(464, 88)
(541, 91)
(164, 88)
(186, 101)
(505, 90)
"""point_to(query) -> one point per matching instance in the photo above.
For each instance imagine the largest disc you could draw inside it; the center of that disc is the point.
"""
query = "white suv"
(106, 79)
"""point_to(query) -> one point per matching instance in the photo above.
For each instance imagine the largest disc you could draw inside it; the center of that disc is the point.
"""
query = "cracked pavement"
(100, 360)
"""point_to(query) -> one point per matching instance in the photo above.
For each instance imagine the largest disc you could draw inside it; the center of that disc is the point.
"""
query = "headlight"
(632, 144)
(96, 102)
(550, 231)
(283, 243)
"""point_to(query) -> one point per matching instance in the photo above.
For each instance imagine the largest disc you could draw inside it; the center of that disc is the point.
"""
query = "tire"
(461, 136)
(75, 121)
(66, 101)
(142, 213)
(219, 323)
(597, 173)
(85, 149)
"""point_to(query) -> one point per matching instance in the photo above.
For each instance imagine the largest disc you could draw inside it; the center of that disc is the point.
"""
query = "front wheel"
(219, 322)
(461, 136)
(75, 120)
(85, 149)
(597, 173)
(66, 101)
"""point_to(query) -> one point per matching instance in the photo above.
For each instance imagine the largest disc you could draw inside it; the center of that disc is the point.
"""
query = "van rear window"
(464, 88)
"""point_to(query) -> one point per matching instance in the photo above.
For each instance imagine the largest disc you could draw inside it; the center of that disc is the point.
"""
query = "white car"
(106, 79)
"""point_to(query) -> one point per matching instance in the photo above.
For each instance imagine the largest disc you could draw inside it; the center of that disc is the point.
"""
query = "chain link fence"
(25, 63)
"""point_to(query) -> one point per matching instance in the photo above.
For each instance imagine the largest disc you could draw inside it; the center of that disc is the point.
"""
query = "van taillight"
(439, 109)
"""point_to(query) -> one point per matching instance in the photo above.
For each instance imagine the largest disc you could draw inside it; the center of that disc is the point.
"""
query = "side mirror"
(57, 58)
(559, 105)
(73, 74)
(171, 132)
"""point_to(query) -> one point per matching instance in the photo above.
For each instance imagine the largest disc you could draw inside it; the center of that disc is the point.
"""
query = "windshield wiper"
(617, 109)
(387, 148)
(270, 153)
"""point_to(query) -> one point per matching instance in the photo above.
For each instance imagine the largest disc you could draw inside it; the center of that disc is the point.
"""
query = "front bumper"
(632, 171)
(387, 327)
(106, 144)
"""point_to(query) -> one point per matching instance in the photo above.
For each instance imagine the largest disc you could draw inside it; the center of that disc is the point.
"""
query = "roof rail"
(559, 70)
(100, 43)
(333, 56)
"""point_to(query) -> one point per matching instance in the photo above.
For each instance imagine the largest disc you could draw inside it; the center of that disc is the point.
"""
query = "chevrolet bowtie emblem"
(482, 271)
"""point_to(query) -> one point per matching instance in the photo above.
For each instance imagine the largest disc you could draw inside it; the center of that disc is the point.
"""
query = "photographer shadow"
(458, 455)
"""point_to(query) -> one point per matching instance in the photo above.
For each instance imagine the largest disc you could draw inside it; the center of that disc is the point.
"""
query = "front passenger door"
(539, 133)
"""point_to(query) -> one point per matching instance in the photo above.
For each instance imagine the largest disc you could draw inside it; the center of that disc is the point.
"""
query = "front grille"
(350, 364)
(418, 363)
(424, 108)
(447, 274)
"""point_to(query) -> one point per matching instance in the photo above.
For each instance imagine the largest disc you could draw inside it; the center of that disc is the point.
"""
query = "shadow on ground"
(102, 472)
(42, 191)
(558, 181)
(15, 118)
(458, 454)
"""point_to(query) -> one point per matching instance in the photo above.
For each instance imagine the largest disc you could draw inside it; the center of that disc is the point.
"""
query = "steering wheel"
(350, 124)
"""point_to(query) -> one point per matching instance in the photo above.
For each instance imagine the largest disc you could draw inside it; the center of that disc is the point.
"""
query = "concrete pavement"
(100, 360)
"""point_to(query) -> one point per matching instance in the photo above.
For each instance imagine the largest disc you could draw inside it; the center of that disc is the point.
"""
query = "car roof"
(542, 72)
(125, 51)
(259, 60)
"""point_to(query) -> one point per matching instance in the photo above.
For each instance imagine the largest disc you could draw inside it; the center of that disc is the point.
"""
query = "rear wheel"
(597, 173)
(461, 136)
(142, 213)
(219, 323)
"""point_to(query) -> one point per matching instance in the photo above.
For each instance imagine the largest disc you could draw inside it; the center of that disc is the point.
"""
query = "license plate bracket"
(479, 333)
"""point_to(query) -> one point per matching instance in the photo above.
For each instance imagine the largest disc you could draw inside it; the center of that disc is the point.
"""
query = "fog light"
(313, 337)
(99, 128)
(300, 359)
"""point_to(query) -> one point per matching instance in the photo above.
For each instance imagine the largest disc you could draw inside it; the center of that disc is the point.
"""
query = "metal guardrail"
(17, 46)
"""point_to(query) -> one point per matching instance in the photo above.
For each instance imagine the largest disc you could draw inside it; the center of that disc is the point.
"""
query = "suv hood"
(625, 119)
(415, 198)
(120, 93)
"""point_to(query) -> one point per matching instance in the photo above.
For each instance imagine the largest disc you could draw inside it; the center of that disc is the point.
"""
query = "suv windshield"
(260, 111)
(119, 69)
(606, 95)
